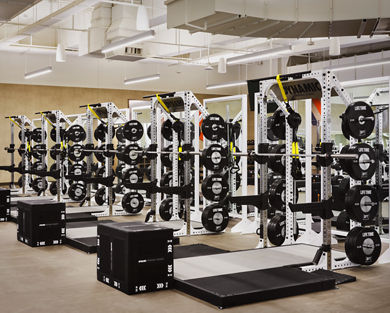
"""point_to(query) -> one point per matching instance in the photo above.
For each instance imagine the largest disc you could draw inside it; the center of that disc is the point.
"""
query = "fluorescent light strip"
(258, 55)
(39, 72)
(141, 79)
(128, 41)
(366, 81)
(343, 67)
(227, 84)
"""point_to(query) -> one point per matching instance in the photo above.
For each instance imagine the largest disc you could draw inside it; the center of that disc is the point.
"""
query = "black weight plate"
(39, 166)
(76, 133)
(120, 169)
(270, 135)
(339, 190)
(120, 188)
(121, 152)
(99, 154)
(108, 151)
(21, 149)
(359, 119)
(165, 209)
(362, 168)
(76, 153)
(166, 158)
(54, 151)
(344, 162)
(214, 127)
(215, 187)
(36, 135)
(363, 245)
(234, 131)
(276, 230)
(100, 196)
(133, 175)
(167, 179)
(27, 134)
(345, 129)
(148, 173)
(39, 184)
(133, 130)
(53, 134)
(166, 130)
(77, 191)
(361, 203)
(278, 126)
(343, 221)
(132, 154)
(101, 131)
(53, 167)
(278, 163)
(133, 202)
(39, 150)
(53, 188)
(214, 157)
(120, 134)
(78, 169)
(277, 194)
(149, 132)
(100, 171)
(215, 217)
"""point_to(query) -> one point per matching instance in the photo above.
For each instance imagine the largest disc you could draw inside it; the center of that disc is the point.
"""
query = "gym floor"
(63, 279)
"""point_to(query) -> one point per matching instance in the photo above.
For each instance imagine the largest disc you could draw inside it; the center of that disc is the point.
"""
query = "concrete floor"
(62, 279)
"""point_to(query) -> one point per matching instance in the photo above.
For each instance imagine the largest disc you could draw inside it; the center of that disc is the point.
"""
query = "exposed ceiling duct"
(281, 18)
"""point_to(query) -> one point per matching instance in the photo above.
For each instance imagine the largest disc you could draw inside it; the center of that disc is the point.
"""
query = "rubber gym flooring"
(62, 279)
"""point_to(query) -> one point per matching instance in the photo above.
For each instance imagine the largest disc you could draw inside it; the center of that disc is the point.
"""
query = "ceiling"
(11, 8)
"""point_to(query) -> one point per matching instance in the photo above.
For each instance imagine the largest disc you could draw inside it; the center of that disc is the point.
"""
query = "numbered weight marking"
(100, 196)
(77, 191)
(215, 187)
(361, 203)
(215, 217)
(76, 133)
(214, 157)
(358, 120)
(133, 130)
(133, 202)
(214, 127)
(363, 245)
(276, 230)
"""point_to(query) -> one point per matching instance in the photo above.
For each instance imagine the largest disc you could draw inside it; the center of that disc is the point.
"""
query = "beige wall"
(28, 99)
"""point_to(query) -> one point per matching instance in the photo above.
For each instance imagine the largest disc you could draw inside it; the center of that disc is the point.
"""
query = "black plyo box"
(5, 204)
(135, 257)
(41, 222)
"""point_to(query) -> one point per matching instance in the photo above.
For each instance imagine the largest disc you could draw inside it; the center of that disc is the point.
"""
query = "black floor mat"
(80, 217)
(340, 278)
(87, 223)
(195, 250)
(87, 244)
(254, 286)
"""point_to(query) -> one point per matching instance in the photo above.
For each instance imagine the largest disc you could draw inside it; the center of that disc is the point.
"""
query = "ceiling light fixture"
(246, 58)
(128, 41)
(39, 72)
(60, 53)
(141, 79)
(343, 67)
(227, 84)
